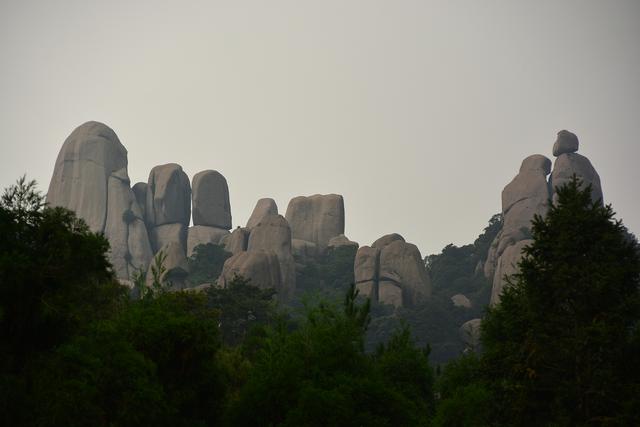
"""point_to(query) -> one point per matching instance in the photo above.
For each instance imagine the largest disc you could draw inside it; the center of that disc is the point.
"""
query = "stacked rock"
(90, 177)
(391, 271)
(529, 194)
(168, 207)
(314, 221)
(211, 210)
(262, 254)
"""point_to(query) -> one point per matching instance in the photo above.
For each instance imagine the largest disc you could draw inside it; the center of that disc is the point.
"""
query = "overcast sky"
(417, 112)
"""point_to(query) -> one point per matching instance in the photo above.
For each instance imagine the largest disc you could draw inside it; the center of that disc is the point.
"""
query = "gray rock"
(211, 204)
(263, 208)
(386, 239)
(262, 268)
(167, 233)
(566, 165)
(367, 290)
(140, 192)
(366, 265)
(401, 263)
(470, 333)
(341, 240)
(303, 249)
(168, 196)
(272, 234)
(460, 300)
(507, 266)
(390, 293)
(202, 235)
(316, 218)
(237, 241)
(90, 177)
(175, 264)
(566, 142)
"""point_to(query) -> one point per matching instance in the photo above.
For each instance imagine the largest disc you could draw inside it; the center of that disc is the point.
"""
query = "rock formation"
(470, 334)
(460, 300)
(202, 235)
(168, 203)
(341, 240)
(392, 271)
(263, 208)
(211, 205)
(528, 194)
(90, 177)
(261, 267)
(176, 267)
(237, 241)
(316, 218)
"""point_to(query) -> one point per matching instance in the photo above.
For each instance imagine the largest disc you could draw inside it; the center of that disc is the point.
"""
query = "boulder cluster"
(392, 271)
(171, 215)
(529, 194)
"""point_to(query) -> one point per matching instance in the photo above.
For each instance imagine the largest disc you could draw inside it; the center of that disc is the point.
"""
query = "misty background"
(417, 112)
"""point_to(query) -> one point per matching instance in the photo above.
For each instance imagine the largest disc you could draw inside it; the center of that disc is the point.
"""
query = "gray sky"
(418, 112)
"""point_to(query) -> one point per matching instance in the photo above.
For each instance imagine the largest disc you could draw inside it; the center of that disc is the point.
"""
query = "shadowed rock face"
(341, 240)
(211, 204)
(393, 272)
(237, 241)
(273, 234)
(263, 208)
(90, 177)
(168, 196)
(261, 267)
(175, 264)
(316, 218)
(470, 333)
(202, 235)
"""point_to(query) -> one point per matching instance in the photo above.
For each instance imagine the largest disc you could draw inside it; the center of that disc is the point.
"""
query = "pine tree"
(562, 347)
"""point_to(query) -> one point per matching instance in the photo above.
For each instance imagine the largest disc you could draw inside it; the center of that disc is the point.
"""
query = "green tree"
(562, 346)
(205, 265)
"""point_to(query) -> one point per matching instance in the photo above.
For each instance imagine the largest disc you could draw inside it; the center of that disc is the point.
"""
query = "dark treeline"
(562, 347)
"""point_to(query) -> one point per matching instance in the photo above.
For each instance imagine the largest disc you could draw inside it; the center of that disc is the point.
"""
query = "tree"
(205, 265)
(562, 346)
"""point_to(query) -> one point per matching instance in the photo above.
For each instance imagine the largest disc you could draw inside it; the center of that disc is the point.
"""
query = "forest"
(562, 348)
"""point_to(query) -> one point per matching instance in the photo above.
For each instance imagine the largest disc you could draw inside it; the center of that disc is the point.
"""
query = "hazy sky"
(418, 112)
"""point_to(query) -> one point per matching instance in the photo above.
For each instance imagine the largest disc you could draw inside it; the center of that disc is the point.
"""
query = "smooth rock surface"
(175, 264)
(90, 177)
(316, 218)
(566, 165)
(140, 192)
(566, 142)
(303, 249)
(202, 235)
(262, 268)
(211, 204)
(168, 196)
(167, 233)
(507, 266)
(264, 207)
(390, 293)
(237, 241)
(460, 300)
(401, 263)
(366, 264)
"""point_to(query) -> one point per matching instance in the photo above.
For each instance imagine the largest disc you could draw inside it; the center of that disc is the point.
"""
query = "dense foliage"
(205, 264)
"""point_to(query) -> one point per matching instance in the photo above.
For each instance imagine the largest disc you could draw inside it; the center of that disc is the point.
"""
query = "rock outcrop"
(168, 207)
(470, 334)
(140, 191)
(237, 241)
(261, 267)
(316, 218)
(202, 235)
(392, 271)
(460, 300)
(529, 194)
(264, 207)
(211, 206)
(90, 177)
(273, 234)
(341, 240)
